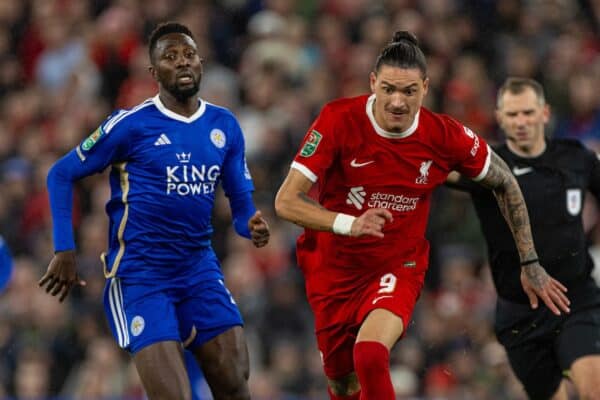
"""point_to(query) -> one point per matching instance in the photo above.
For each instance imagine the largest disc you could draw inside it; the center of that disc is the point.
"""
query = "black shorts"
(541, 346)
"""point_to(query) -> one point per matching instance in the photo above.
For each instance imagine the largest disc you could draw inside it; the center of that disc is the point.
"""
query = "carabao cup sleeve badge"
(91, 140)
(311, 144)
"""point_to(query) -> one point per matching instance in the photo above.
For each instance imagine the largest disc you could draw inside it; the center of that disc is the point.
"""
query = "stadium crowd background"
(65, 64)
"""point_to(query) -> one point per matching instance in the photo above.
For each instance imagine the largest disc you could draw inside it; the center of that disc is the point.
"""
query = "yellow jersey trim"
(124, 180)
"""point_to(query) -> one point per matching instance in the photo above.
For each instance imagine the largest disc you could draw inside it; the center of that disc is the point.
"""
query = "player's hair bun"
(400, 36)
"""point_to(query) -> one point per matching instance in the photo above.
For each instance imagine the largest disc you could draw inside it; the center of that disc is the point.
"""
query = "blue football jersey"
(165, 170)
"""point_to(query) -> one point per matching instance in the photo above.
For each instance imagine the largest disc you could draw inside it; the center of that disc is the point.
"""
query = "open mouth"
(185, 78)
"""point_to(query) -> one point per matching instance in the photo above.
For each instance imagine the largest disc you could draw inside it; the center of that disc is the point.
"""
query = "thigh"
(336, 345)
(381, 326)
(396, 290)
(336, 329)
(585, 375)
(529, 339)
(536, 366)
(225, 364)
(207, 310)
(139, 315)
(579, 336)
(162, 371)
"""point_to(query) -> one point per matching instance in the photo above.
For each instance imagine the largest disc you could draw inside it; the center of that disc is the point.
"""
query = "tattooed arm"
(510, 201)
(293, 204)
(534, 279)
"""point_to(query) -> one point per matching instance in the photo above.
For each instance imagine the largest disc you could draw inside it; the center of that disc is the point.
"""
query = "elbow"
(282, 208)
(509, 182)
(52, 174)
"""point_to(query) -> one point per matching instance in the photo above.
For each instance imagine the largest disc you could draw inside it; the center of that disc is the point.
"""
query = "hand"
(371, 223)
(61, 275)
(259, 230)
(536, 282)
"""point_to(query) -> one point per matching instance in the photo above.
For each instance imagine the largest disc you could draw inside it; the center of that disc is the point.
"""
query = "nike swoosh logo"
(356, 164)
(376, 299)
(522, 171)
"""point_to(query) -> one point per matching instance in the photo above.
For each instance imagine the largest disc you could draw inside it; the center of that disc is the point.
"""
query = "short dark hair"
(165, 28)
(404, 52)
(516, 85)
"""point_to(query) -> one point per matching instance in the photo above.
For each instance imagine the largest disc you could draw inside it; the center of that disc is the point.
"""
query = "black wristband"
(529, 262)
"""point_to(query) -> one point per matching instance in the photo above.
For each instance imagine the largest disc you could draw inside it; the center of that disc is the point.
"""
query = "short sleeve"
(318, 147)
(109, 143)
(470, 153)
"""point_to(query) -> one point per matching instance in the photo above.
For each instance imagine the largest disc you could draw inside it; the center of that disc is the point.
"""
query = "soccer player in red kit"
(364, 255)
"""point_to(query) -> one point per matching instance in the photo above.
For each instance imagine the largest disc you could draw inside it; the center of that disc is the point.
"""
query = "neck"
(527, 152)
(185, 107)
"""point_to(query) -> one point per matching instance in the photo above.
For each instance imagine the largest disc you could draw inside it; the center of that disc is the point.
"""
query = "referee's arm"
(534, 279)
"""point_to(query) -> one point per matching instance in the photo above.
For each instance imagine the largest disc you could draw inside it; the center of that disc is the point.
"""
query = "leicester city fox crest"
(217, 137)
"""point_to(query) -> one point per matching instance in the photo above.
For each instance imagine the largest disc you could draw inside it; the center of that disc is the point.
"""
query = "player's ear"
(372, 79)
(152, 71)
(546, 113)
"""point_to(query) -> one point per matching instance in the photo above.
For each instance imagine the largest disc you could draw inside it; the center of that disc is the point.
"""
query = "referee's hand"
(537, 283)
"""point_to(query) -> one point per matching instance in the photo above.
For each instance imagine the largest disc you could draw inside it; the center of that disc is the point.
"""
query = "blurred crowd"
(66, 64)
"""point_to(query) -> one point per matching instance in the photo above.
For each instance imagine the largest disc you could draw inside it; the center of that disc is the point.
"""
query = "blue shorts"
(142, 314)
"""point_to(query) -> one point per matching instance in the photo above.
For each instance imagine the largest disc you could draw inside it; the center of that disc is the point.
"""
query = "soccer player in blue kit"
(165, 290)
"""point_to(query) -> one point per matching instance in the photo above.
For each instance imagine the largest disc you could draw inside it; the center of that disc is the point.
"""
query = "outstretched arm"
(61, 274)
(534, 279)
(293, 204)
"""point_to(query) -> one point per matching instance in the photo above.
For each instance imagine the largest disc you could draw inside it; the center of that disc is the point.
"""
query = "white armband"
(342, 225)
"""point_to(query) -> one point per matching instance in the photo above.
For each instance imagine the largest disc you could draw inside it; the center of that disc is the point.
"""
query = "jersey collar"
(382, 132)
(161, 107)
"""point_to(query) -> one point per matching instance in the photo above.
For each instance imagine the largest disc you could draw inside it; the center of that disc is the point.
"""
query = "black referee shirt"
(554, 186)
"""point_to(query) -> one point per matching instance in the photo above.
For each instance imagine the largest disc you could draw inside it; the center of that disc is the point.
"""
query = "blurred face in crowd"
(176, 65)
(522, 117)
(399, 94)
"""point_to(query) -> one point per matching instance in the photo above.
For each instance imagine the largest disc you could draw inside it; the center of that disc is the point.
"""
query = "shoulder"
(122, 117)
(572, 152)
(345, 105)
(218, 111)
(445, 129)
(441, 125)
(568, 144)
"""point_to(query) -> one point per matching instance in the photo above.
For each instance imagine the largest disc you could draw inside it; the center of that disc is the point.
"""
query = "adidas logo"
(162, 139)
(356, 197)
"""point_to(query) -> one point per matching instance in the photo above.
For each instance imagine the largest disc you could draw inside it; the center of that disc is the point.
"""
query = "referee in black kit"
(554, 175)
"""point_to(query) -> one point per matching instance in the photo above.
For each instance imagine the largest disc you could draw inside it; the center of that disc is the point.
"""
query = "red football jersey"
(357, 165)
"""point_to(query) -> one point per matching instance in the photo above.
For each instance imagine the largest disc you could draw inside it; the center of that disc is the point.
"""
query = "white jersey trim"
(117, 309)
(486, 166)
(124, 113)
(161, 107)
(305, 171)
(382, 132)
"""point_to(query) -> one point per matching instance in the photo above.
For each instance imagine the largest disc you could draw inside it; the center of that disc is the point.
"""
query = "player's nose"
(397, 101)
(182, 61)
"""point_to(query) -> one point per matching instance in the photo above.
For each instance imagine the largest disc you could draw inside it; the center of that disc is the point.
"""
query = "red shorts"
(340, 311)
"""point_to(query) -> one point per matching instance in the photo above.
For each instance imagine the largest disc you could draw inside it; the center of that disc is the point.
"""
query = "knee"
(231, 382)
(345, 386)
(173, 390)
(589, 392)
